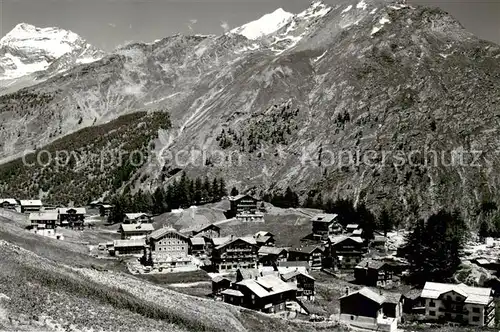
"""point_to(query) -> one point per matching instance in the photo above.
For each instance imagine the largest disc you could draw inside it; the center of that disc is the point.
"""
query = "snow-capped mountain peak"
(265, 25)
(27, 49)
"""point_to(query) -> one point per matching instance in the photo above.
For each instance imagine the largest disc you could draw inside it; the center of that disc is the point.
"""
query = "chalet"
(72, 217)
(31, 205)
(459, 304)
(219, 284)
(105, 210)
(393, 305)
(325, 225)
(303, 282)
(135, 231)
(268, 294)
(264, 239)
(168, 248)
(250, 217)
(379, 241)
(207, 231)
(312, 254)
(270, 256)
(8, 203)
(365, 309)
(133, 247)
(372, 272)
(137, 218)
(197, 246)
(48, 219)
(237, 253)
(242, 204)
(346, 251)
(96, 204)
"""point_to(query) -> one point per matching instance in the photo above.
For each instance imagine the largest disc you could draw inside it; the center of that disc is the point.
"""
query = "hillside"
(88, 163)
(379, 101)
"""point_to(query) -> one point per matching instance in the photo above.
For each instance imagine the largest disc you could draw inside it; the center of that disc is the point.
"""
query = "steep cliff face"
(399, 89)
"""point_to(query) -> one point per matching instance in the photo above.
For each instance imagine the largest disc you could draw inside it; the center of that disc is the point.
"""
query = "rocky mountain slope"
(29, 54)
(401, 89)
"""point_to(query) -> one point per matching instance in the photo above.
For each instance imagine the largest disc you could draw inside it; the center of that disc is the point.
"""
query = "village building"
(412, 302)
(168, 248)
(264, 238)
(8, 203)
(242, 205)
(34, 205)
(268, 294)
(372, 272)
(219, 284)
(105, 210)
(459, 304)
(40, 229)
(137, 218)
(365, 309)
(207, 231)
(49, 219)
(303, 282)
(72, 217)
(325, 225)
(96, 204)
(132, 247)
(242, 274)
(313, 254)
(350, 228)
(135, 231)
(346, 251)
(237, 253)
(197, 246)
(270, 256)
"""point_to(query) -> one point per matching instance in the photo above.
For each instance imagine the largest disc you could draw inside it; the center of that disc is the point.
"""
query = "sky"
(110, 23)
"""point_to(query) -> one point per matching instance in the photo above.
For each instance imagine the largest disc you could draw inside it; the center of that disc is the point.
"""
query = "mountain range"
(405, 86)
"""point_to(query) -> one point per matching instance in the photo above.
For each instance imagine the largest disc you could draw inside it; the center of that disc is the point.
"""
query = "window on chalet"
(475, 318)
(432, 304)
(432, 313)
(475, 310)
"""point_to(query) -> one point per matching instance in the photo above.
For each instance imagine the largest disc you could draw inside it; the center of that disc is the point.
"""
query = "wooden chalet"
(372, 272)
(137, 218)
(313, 254)
(234, 254)
(135, 231)
(133, 247)
(105, 210)
(270, 256)
(303, 282)
(207, 231)
(268, 294)
(346, 251)
(48, 219)
(264, 239)
(242, 205)
(197, 246)
(34, 205)
(219, 284)
(325, 225)
(71, 217)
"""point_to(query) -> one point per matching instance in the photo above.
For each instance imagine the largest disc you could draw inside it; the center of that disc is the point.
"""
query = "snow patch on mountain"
(381, 22)
(265, 25)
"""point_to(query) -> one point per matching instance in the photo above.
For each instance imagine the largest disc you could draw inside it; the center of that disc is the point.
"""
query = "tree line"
(181, 193)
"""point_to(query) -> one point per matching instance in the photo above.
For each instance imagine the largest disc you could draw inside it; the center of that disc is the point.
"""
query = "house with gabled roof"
(364, 309)
(372, 272)
(137, 218)
(303, 282)
(325, 225)
(270, 256)
(31, 205)
(72, 216)
(168, 248)
(233, 254)
(197, 246)
(346, 251)
(48, 219)
(135, 231)
(268, 294)
(313, 254)
(264, 238)
(460, 304)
